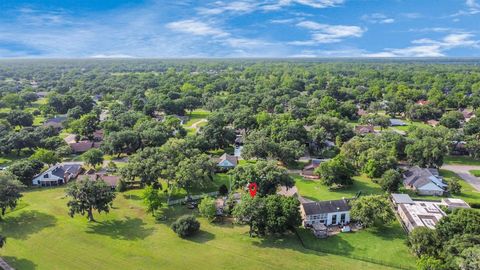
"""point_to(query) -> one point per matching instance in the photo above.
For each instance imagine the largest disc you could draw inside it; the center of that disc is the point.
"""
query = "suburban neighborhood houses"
(211, 164)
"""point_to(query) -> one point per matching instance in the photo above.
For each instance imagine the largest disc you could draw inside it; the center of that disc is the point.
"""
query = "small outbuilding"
(227, 162)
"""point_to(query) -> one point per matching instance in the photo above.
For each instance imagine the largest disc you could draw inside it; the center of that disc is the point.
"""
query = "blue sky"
(242, 28)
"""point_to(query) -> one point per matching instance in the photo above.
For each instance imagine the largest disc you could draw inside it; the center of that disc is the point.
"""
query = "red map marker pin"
(252, 187)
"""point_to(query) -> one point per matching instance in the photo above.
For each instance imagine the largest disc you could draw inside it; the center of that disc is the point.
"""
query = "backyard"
(42, 236)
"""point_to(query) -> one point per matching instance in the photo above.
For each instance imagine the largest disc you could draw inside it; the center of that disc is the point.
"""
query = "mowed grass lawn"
(42, 236)
(385, 244)
(315, 190)
(196, 116)
(461, 160)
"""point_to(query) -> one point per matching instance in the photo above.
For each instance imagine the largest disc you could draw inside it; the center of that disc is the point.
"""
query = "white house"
(57, 175)
(335, 212)
(227, 161)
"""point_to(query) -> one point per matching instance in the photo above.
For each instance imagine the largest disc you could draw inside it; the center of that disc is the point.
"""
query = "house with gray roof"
(56, 122)
(227, 161)
(335, 212)
(424, 181)
(397, 122)
(58, 175)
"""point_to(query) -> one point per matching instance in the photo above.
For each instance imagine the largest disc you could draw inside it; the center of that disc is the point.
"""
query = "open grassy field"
(385, 244)
(461, 160)
(196, 116)
(42, 236)
(314, 190)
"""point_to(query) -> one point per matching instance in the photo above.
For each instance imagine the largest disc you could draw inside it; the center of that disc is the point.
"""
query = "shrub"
(223, 190)
(186, 226)
(208, 208)
(121, 186)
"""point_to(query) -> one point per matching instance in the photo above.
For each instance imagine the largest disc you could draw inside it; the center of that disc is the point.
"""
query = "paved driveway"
(463, 172)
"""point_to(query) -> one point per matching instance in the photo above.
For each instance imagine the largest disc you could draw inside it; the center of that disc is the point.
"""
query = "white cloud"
(112, 56)
(432, 29)
(412, 15)
(377, 18)
(430, 48)
(327, 33)
(472, 8)
(246, 43)
(197, 28)
(249, 6)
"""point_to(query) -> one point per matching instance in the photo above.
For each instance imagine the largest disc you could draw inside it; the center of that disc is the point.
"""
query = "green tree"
(186, 226)
(469, 258)
(373, 210)
(20, 118)
(86, 125)
(195, 172)
(423, 242)
(208, 208)
(391, 181)
(336, 171)
(377, 161)
(426, 152)
(461, 221)
(453, 186)
(429, 263)
(451, 119)
(10, 189)
(88, 195)
(267, 175)
(46, 156)
(25, 170)
(13, 101)
(152, 199)
(252, 212)
(93, 157)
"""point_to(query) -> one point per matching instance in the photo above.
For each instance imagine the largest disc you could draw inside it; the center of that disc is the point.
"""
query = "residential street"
(463, 172)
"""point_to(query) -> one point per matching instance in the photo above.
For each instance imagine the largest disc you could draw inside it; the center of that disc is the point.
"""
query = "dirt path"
(195, 125)
(463, 172)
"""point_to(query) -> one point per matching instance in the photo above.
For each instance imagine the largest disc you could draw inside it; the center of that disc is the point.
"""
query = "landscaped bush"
(121, 186)
(186, 226)
(223, 190)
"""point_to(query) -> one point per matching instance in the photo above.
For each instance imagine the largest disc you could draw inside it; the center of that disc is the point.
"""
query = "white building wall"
(338, 214)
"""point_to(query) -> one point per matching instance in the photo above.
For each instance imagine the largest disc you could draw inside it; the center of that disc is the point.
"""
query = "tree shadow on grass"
(308, 244)
(17, 263)
(126, 229)
(390, 232)
(168, 215)
(26, 223)
(201, 237)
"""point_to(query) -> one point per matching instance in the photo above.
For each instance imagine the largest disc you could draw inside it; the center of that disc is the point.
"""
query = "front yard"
(41, 235)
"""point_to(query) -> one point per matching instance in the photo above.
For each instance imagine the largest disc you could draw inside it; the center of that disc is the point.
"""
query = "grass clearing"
(384, 245)
(461, 160)
(315, 190)
(41, 235)
(196, 116)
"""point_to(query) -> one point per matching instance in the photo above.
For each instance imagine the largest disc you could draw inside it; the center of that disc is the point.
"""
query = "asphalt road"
(463, 172)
